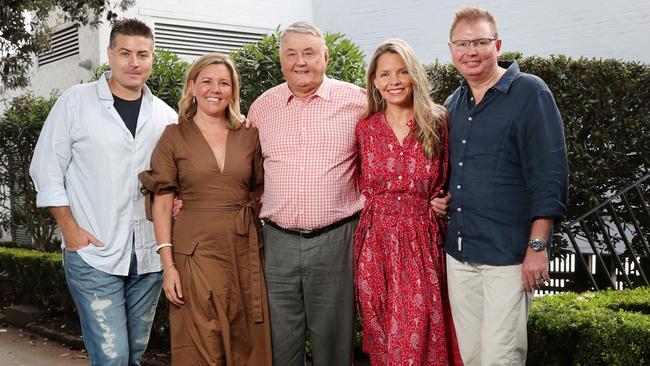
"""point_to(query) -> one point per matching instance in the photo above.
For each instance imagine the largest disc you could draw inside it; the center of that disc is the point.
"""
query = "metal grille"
(195, 41)
(611, 244)
(65, 43)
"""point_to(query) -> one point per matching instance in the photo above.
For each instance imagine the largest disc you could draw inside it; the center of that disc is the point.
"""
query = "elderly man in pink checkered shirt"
(311, 201)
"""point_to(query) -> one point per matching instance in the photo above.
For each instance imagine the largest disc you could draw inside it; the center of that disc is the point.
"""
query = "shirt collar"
(504, 83)
(104, 91)
(324, 91)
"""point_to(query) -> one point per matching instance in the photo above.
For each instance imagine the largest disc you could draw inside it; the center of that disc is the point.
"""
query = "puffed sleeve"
(163, 176)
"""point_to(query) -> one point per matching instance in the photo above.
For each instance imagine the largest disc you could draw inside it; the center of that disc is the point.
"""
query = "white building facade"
(602, 29)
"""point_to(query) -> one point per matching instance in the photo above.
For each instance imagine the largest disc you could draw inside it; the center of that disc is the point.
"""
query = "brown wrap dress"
(216, 247)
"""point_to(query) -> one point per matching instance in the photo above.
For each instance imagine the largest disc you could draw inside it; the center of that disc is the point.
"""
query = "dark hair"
(129, 27)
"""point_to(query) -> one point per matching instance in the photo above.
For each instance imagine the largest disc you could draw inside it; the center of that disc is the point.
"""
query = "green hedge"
(33, 277)
(591, 328)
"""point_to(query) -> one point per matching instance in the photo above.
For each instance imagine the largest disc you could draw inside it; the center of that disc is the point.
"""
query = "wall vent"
(65, 43)
(196, 41)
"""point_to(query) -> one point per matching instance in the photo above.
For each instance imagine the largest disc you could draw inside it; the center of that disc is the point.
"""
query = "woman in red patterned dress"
(399, 263)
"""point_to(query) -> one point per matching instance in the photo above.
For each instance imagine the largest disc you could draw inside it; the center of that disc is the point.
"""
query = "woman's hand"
(172, 286)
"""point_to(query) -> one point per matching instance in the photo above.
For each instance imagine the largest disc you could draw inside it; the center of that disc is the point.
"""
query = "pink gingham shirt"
(310, 154)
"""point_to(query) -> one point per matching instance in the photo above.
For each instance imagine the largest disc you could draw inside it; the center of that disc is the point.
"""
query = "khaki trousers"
(490, 307)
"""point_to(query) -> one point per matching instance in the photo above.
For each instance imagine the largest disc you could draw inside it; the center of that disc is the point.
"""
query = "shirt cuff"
(52, 197)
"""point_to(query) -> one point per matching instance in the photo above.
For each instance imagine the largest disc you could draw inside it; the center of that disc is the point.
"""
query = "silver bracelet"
(163, 245)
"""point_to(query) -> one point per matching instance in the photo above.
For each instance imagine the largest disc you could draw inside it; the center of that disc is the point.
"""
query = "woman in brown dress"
(211, 258)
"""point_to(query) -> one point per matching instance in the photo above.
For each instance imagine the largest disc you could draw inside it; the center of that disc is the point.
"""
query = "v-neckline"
(390, 128)
(220, 168)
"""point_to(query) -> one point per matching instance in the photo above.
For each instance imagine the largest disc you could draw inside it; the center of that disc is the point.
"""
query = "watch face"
(537, 245)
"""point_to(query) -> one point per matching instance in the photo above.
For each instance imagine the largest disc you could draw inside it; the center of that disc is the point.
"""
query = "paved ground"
(18, 348)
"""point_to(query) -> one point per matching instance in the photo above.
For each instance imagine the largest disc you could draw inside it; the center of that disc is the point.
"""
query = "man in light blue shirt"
(95, 141)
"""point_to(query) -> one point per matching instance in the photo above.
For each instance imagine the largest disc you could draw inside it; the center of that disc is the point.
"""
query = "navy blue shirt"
(508, 166)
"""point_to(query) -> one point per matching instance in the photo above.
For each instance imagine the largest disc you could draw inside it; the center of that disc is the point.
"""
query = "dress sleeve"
(442, 179)
(258, 164)
(163, 176)
(361, 132)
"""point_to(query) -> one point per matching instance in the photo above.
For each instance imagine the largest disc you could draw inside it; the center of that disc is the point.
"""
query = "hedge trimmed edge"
(592, 328)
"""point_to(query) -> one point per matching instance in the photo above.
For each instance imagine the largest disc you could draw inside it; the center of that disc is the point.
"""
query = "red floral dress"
(399, 263)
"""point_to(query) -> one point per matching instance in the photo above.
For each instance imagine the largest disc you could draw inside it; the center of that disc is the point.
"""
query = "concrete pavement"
(20, 348)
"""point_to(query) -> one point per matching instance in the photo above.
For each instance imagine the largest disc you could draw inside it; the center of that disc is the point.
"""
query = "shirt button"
(401, 153)
(460, 164)
(400, 177)
(469, 119)
(458, 186)
(459, 209)
(464, 141)
(399, 198)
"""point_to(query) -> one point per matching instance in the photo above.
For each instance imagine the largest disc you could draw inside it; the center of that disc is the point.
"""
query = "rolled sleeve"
(52, 155)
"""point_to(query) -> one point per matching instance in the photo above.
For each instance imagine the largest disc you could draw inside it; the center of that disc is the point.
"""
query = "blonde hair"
(187, 104)
(473, 14)
(430, 117)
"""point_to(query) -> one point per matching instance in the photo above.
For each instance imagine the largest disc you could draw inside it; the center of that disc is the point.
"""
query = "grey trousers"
(310, 289)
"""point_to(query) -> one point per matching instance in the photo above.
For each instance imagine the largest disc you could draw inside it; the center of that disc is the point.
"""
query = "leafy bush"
(20, 126)
(167, 76)
(592, 328)
(259, 64)
(33, 277)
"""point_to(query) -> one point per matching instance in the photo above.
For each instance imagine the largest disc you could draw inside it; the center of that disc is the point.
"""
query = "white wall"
(242, 14)
(603, 29)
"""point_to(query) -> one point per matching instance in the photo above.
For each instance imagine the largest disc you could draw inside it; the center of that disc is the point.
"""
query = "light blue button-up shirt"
(87, 159)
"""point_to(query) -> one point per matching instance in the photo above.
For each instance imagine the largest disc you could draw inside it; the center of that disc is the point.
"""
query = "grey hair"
(305, 27)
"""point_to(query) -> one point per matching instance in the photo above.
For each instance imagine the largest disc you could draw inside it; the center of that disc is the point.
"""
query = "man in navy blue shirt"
(508, 184)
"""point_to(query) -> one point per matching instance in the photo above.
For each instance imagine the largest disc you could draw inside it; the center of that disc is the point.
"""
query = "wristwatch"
(537, 245)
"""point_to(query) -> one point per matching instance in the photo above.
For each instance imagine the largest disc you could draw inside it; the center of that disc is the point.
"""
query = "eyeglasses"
(462, 45)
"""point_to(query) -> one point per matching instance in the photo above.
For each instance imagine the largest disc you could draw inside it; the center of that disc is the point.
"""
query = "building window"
(65, 43)
(196, 41)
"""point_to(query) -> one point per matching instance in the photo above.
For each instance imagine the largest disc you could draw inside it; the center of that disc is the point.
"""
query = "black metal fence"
(609, 245)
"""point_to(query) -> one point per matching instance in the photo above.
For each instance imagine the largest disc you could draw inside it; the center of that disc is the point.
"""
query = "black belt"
(308, 234)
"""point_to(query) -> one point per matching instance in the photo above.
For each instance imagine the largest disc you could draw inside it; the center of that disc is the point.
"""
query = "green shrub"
(592, 328)
(259, 64)
(20, 126)
(34, 277)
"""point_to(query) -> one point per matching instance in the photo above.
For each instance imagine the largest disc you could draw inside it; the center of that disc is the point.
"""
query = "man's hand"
(172, 286)
(176, 208)
(440, 204)
(534, 270)
(247, 122)
(77, 238)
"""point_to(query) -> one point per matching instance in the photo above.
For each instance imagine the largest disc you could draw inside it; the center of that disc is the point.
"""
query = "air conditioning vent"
(65, 43)
(196, 41)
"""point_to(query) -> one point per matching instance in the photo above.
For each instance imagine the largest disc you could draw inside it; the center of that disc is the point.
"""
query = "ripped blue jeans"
(116, 312)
